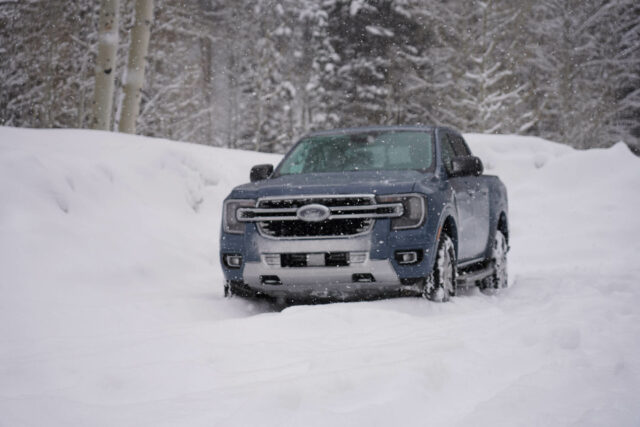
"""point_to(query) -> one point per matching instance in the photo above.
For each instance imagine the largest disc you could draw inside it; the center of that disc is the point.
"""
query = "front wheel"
(441, 284)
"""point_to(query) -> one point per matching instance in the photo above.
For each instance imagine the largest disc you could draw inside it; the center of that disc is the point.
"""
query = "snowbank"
(111, 308)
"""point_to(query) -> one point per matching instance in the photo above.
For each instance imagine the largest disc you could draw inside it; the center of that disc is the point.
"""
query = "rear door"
(476, 231)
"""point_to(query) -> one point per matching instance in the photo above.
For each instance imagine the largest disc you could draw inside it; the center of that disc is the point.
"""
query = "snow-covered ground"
(111, 307)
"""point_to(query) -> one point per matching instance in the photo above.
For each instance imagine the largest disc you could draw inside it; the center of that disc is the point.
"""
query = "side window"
(447, 151)
(459, 145)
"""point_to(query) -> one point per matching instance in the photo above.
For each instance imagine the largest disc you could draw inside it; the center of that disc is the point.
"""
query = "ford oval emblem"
(313, 213)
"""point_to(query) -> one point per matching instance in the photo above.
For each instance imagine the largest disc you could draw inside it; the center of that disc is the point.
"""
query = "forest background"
(259, 74)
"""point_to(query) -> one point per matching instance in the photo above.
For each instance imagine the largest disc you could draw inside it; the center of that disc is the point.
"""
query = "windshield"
(366, 151)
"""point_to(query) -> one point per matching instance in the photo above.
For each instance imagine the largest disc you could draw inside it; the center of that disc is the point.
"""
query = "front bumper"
(375, 259)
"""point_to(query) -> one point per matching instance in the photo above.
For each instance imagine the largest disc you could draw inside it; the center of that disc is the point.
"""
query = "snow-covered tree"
(371, 43)
(620, 65)
(310, 51)
(580, 66)
(273, 72)
(178, 99)
(260, 73)
(47, 60)
(487, 88)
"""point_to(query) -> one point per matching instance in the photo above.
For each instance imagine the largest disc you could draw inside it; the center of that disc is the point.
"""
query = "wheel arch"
(450, 229)
(503, 225)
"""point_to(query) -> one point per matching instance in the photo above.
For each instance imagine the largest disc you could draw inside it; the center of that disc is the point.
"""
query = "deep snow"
(111, 307)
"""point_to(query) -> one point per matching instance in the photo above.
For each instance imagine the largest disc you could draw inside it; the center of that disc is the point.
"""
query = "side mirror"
(466, 165)
(260, 172)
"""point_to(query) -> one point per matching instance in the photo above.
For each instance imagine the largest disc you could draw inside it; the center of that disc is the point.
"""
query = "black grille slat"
(327, 201)
(336, 259)
(293, 260)
(331, 259)
(334, 227)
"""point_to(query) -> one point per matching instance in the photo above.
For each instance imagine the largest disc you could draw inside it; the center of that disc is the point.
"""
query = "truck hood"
(363, 182)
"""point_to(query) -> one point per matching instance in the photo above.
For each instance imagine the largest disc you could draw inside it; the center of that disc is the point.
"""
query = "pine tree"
(579, 68)
(488, 90)
(373, 44)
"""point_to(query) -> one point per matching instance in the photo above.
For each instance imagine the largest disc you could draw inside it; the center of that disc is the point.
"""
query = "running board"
(467, 279)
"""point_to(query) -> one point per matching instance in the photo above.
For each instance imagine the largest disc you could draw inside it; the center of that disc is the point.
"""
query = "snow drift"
(111, 308)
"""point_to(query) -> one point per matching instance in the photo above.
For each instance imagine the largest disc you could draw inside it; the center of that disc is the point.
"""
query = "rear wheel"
(441, 284)
(499, 277)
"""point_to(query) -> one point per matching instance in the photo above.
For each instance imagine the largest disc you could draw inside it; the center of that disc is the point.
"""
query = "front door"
(472, 202)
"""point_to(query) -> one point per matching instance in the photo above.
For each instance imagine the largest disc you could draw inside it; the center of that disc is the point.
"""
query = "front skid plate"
(322, 293)
(305, 279)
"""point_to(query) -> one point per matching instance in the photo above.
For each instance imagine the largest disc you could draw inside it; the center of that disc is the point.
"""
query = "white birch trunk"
(105, 64)
(134, 77)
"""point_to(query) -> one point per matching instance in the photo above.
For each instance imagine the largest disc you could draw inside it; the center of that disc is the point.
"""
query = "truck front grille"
(348, 215)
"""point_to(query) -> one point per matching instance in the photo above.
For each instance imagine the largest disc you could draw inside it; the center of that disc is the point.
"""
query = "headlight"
(230, 221)
(414, 207)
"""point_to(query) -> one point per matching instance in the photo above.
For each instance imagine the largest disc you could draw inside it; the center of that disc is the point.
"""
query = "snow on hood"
(363, 182)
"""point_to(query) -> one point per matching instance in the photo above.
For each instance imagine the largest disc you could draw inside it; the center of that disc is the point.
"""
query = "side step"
(469, 278)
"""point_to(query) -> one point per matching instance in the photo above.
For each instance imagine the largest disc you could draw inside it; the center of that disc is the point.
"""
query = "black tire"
(499, 278)
(228, 292)
(441, 284)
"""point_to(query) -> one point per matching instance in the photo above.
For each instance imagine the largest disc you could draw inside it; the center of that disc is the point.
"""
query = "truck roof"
(370, 129)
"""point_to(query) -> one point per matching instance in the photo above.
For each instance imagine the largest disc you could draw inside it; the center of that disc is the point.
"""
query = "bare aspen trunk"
(134, 77)
(105, 64)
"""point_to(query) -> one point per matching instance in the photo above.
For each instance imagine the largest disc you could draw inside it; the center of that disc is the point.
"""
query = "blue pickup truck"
(367, 213)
